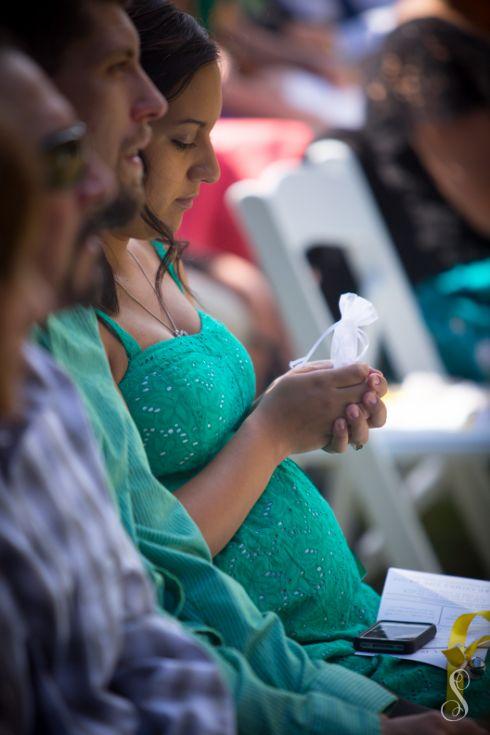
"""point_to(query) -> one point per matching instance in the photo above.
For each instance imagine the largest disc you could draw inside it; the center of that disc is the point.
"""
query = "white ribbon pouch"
(349, 340)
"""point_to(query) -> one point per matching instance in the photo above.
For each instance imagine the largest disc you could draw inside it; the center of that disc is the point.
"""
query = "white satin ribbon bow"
(349, 340)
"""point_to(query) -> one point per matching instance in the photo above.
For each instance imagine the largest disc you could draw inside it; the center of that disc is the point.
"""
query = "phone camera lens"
(477, 667)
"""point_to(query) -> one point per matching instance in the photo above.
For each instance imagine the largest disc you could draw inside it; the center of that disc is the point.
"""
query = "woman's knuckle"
(318, 381)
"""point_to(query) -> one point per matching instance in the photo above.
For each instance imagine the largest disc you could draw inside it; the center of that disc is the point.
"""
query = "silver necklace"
(173, 328)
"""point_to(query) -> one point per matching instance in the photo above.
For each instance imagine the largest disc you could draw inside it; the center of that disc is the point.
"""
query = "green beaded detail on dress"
(187, 396)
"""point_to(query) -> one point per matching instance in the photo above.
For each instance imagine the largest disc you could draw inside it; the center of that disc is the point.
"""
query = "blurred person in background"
(294, 58)
(428, 127)
(425, 149)
(189, 385)
(83, 647)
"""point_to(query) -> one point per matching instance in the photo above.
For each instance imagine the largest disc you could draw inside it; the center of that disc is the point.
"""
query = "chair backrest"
(327, 200)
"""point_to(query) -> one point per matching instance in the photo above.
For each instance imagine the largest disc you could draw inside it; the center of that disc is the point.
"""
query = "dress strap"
(161, 251)
(128, 342)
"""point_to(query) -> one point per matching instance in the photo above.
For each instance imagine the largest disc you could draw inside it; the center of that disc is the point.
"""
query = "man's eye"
(119, 67)
(183, 146)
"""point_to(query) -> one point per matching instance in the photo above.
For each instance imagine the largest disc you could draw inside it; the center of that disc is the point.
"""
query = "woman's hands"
(369, 414)
(315, 406)
(431, 723)
(302, 410)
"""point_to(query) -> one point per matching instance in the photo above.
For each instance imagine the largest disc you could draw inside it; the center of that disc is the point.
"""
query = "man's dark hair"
(48, 28)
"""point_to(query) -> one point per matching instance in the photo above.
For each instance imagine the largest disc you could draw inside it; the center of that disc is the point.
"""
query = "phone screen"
(396, 631)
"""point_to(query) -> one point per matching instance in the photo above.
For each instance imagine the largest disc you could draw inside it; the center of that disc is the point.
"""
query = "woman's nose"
(208, 169)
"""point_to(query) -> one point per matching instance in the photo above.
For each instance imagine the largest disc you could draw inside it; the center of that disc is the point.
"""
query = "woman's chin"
(175, 222)
(172, 215)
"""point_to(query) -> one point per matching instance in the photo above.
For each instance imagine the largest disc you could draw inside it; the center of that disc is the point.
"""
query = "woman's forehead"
(201, 99)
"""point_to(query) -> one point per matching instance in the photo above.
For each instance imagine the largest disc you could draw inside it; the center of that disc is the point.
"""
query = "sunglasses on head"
(64, 156)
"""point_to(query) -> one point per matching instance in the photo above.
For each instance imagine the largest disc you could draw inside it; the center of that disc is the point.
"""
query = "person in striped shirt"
(84, 648)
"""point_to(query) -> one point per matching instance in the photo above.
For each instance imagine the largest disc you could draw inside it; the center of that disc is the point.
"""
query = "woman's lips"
(185, 203)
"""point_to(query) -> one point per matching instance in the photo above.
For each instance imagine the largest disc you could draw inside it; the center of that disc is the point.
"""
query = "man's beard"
(114, 215)
(119, 212)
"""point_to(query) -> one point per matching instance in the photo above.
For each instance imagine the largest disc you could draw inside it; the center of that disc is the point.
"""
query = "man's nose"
(98, 186)
(149, 104)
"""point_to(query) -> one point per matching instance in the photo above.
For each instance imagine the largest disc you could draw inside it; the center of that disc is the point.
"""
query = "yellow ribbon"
(459, 654)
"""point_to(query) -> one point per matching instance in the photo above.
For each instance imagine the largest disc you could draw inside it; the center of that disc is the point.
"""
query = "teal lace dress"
(187, 396)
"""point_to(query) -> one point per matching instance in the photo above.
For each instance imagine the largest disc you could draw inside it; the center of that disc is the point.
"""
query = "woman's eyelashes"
(183, 146)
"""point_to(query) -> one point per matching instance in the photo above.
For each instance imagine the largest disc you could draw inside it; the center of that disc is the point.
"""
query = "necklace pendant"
(180, 333)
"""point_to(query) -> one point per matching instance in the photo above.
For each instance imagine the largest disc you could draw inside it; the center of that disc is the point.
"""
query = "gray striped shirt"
(82, 649)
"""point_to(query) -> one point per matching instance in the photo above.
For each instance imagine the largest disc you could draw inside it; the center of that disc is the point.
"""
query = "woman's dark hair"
(173, 48)
(173, 45)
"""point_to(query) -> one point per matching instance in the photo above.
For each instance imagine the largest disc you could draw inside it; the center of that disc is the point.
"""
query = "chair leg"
(471, 492)
(388, 505)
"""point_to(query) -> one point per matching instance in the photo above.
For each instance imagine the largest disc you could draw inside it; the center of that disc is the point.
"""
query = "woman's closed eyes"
(183, 146)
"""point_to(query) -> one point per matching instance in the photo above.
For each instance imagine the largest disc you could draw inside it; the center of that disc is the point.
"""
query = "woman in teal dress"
(189, 385)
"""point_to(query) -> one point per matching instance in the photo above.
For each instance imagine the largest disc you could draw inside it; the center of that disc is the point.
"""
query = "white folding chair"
(328, 201)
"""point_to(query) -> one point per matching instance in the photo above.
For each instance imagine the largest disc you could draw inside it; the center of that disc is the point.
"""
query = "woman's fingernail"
(341, 425)
(376, 380)
(353, 412)
(372, 400)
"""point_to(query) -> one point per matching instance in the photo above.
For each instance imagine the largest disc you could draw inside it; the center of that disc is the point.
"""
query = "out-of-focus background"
(355, 156)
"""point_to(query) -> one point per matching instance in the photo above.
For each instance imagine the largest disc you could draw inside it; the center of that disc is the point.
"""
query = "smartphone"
(395, 636)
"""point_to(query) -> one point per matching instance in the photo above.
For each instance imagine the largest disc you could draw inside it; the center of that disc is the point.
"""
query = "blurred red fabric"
(244, 148)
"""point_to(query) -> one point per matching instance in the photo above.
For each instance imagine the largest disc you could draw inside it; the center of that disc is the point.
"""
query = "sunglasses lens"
(64, 157)
(65, 165)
